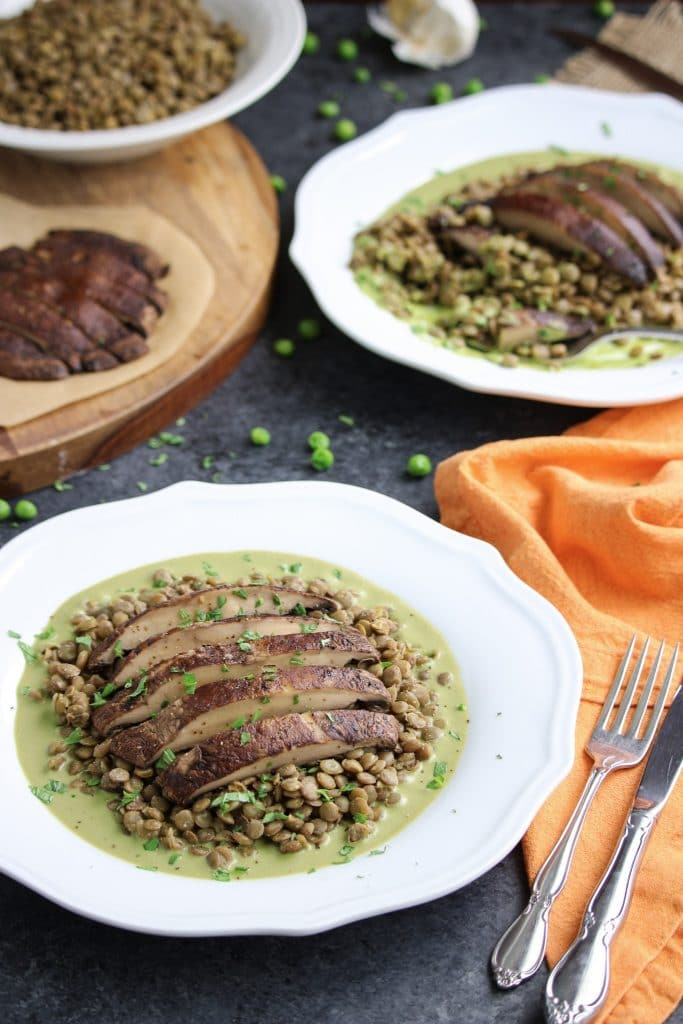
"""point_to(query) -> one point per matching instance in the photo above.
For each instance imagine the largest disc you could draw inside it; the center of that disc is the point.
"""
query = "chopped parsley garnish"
(296, 660)
(208, 461)
(158, 460)
(98, 700)
(165, 761)
(245, 797)
(347, 421)
(330, 716)
(309, 627)
(185, 617)
(208, 570)
(265, 700)
(217, 611)
(438, 778)
(349, 786)
(277, 600)
(223, 875)
(249, 634)
(255, 717)
(15, 636)
(74, 737)
(141, 688)
(94, 781)
(273, 816)
(239, 722)
(245, 646)
(606, 129)
(151, 844)
(46, 634)
(295, 698)
(189, 682)
(378, 853)
(326, 641)
(85, 641)
(46, 792)
(245, 737)
(241, 592)
(345, 850)
(360, 819)
(30, 655)
(324, 796)
(174, 858)
(118, 649)
(128, 798)
(454, 735)
(298, 609)
(461, 707)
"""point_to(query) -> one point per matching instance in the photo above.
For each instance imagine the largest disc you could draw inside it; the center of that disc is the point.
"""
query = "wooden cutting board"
(214, 187)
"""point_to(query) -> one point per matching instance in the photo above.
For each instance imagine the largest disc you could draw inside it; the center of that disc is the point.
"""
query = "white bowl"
(519, 662)
(357, 182)
(275, 31)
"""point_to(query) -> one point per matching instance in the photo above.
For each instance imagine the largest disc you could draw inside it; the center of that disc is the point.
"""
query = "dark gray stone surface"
(428, 964)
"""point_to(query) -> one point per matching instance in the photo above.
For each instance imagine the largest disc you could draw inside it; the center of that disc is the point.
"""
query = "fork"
(520, 950)
(628, 333)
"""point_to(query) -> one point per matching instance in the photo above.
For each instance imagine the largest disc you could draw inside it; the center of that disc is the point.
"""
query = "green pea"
(604, 8)
(278, 183)
(361, 75)
(419, 465)
(25, 510)
(474, 85)
(345, 130)
(322, 459)
(311, 43)
(5, 510)
(309, 329)
(329, 108)
(318, 440)
(284, 347)
(541, 79)
(259, 436)
(347, 49)
(441, 92)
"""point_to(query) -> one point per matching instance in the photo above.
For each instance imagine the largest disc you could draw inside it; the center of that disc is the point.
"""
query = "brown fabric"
(656, 38)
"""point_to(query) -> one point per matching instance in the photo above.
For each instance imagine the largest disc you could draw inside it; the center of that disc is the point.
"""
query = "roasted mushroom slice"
(453, 240)
(273, 742)
(21, 359)
(565, 227)
(531, 326)
(668, 195)
(608, 177)
(222, 631)
(182, 675)
(218, 707)
(135, 253)
(607, 209)
(213, 603)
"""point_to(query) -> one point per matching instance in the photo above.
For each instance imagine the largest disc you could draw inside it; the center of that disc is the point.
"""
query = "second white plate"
(356, 183)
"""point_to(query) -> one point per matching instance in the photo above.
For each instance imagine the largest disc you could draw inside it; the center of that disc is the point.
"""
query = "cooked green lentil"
(76, 65)
(295, 807)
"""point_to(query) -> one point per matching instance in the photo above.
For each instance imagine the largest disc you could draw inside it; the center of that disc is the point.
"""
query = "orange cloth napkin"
(593, 520)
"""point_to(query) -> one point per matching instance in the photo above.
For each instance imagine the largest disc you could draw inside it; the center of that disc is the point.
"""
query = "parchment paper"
(189, 284)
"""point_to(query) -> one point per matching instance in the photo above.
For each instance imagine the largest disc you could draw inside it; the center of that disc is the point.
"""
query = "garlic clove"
(431, 33)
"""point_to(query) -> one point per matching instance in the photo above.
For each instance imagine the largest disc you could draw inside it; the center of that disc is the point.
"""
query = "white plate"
(275, 31)
(353, 185)
(515, 651)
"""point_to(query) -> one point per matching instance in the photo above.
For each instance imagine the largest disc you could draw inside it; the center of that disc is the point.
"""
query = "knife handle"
(578, 985)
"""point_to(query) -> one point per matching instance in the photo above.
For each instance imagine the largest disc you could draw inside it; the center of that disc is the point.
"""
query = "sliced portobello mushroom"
(135, 253)
(607, 209)
(211, 604)
(292, 739)
(453, 240)
(21, 359)
(140, 698)
(668, 195)
(565, 227)
(608, 177)
(530, 326)
(205, 634)
(218, 707)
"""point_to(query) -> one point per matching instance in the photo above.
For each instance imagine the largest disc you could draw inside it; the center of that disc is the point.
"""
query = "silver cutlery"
(627, 334)
(519, 952)
(578, 986)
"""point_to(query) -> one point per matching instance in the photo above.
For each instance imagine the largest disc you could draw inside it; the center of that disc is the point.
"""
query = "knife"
(634, 66)
(578, 985)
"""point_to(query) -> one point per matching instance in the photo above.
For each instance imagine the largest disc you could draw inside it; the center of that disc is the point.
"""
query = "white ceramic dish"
(520, 665)
(275, 31)
(353, 185)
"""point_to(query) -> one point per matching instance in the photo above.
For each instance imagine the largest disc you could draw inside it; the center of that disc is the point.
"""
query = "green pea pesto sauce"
(88, 815)
(602, 355)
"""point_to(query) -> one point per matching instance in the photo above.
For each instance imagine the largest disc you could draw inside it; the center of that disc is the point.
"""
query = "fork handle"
(578, 985)
(520, 950)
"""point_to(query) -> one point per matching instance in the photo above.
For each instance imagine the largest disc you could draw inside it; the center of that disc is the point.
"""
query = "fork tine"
(616, 686)
(625, 703)
(639, 713)
(659, 706)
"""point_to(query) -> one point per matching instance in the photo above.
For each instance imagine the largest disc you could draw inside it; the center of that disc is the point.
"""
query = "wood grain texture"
(215, 188)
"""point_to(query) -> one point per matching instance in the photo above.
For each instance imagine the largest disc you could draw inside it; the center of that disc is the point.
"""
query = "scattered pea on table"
(284, 347)
(259, 436)
(25, 510)
(347, 49)
(345, 129)
(322, 459)
(419, 465)
(318, 440)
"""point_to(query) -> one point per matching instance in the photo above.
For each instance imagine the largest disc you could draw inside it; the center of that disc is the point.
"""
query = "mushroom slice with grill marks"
(668, 195)
(607, 209)
(135, 253)
(174, 678)
(608, 177)
(273, 742)
(223, 631)
(21, 359)
(213, 603)
(218, 707)
(565, 227)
